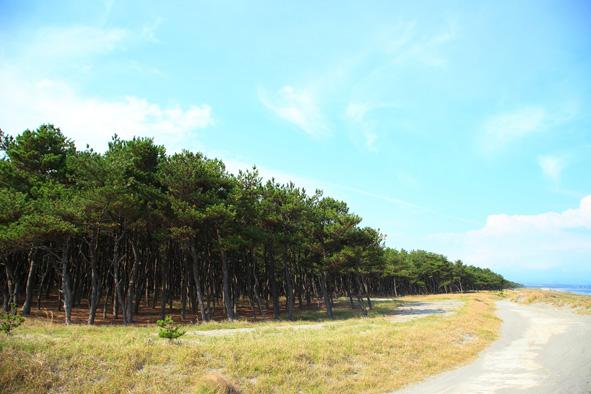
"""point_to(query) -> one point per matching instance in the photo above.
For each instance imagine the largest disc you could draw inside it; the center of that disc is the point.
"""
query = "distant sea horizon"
(576, 289)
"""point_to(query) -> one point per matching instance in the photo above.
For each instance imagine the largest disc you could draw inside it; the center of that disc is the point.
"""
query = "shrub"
(169, 329)
(10, 320)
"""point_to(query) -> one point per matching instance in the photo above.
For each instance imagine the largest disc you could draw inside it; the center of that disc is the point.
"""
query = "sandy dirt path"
(542, 349)
(410, 310)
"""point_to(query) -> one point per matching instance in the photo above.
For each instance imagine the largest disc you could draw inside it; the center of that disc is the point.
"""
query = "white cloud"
(382, 54)
(429, 51)
(527, 243)
(500, 130)
(504, 128)
(63, 43)
(92, 120)
(551, 166)
(72, 53)
(37, 88)
(404, 44)
(299, 107)
(357, 113)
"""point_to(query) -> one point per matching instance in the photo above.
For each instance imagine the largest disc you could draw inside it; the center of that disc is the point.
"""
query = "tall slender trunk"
(94, 280)
(309, 289)
(256, 287)
(29, 285)
(131, 286)
(225, 279)
(196, 279)
(183, 273)
(366, 289)
(5, 295)
(117, 282)
(326, 296)
(10, 282)
(349, 292)
(359, 295)
(288, 286)
(66, 282)
(42, 281)
(273, 283)
(164, 272)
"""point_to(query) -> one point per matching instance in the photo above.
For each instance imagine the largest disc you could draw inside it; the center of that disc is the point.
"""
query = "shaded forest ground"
(51, 309)
(351, 354)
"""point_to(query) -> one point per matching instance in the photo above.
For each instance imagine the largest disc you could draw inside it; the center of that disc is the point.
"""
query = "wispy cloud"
(66, 42)
(358, 76)
(71, 49)
(429, 51)
(404, 44)
(357, 113)
(297, 106)
(403, 203)
(334, 189)
(149, 30)
(504, 128)
(552, 166)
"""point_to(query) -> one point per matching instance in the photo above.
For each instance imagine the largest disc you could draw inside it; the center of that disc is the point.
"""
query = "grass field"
(581, 303)
(370, 354)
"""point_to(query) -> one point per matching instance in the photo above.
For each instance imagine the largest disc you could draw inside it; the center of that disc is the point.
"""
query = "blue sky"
(458, 127)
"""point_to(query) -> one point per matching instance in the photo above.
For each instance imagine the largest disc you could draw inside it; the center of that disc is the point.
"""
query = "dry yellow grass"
(581, 303)
(354, 355)
(215, 383)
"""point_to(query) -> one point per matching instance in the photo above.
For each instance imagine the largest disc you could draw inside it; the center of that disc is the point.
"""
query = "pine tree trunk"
(366, 289)
(5, 295)
(131, 286)
(256, 290)
(288, 287)
(11, 286)
(117, 283)
(349, 292)
(184, 288)
(225, 280)
(29, 286)
(94, 280)
(66, 282)
(326, 296)
(273, 284)
(197, 281)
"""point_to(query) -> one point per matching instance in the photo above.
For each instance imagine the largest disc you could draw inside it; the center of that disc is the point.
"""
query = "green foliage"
(419, 271)
(40, 154)
(10, 320)
(169, 329)
(139, 217)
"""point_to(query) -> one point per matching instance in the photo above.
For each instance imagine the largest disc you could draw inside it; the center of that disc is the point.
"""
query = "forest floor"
(403, 340)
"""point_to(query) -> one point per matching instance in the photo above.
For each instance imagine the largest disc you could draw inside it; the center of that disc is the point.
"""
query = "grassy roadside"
(581, 303)
(351, 355)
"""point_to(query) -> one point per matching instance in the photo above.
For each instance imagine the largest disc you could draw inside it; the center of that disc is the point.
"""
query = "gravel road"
(542, 349)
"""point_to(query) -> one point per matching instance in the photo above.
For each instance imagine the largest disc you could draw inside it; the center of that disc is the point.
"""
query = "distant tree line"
(134, 228)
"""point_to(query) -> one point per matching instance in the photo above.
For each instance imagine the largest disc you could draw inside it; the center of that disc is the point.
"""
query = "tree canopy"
(134, 228)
